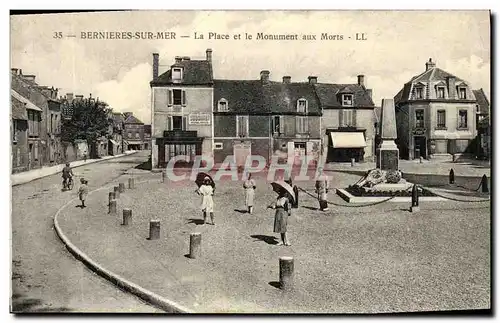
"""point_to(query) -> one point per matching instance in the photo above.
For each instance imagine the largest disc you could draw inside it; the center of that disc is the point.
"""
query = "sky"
(118, 71)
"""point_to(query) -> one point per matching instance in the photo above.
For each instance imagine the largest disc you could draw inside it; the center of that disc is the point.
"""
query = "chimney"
(312, 79)
(79, 97)
(450, 80)
(430, 64)
(178, 59)
(287, 79)
(361, 80)
(69, 96)
(186, 58)
(209, 54)
(156, 58)
(264, 76)
(14, 71)
(20, 72)
(29, 77)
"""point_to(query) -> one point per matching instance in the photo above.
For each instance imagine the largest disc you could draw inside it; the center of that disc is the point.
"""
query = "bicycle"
(68, 184)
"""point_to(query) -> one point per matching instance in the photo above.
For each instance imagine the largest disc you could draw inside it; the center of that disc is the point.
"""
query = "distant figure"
(295, 203)
(282, 207)
(85, 157)
(249, 187)
(67, 173)
(322, 187)
(83, 191)
(207, 203)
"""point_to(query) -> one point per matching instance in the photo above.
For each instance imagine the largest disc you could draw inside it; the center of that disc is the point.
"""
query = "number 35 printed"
(58, 35)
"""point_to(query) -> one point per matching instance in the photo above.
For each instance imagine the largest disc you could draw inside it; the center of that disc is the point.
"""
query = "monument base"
(388, 156)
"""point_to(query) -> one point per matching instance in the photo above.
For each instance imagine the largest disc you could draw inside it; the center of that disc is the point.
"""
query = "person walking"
(322, 187)
(67, 175)
(83, 191)
(249, 186)
(207, 203)
(282, 207)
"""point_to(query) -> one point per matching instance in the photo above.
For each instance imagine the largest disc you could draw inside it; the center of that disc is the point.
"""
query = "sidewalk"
(26, 177)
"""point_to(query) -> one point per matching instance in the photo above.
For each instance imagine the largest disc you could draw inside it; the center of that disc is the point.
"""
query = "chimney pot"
(264, 76)
(156, 58)
(312, 79)
(178, 59)
(14, 71)
(361, 80)
(209, 54)
(186, 58)
(287, 79)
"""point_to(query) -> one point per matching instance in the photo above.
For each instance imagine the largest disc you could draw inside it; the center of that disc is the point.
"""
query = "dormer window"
(177, 74)
(302, 106)
(347, 100)
(419, 92)
(440, 92)
(222, 106)
(462, 93)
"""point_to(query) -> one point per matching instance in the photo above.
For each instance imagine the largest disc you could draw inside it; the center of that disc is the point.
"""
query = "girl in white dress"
(207, 202)
(249, 187)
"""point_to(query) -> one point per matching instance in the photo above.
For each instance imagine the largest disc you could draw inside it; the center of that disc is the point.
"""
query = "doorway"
(420, 147)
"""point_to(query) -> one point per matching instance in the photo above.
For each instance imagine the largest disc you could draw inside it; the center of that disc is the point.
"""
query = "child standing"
(83, 191)
(207, 203)
(249, 187)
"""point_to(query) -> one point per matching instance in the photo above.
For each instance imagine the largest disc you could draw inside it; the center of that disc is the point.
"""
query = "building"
(483, 125)
(435, 115)
(348, 121)
(133, 132)
(115, 146)
(182, 109)
(25, 130)
(147, 136)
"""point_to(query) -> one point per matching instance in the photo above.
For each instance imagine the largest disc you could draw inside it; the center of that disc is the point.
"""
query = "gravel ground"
(351, 260)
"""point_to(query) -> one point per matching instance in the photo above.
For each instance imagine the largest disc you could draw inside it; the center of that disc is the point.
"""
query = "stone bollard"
(163, 176)
(111, 197)
(453, 158)
(121, 187)
(117, 192)
(112, 207)
(353, 161)
(286, 273)
(195, 245)
(127, 216)
(131, 183)
(414, 199)
(421, 160)
(452, 176)
(484, 184)
(154, 229)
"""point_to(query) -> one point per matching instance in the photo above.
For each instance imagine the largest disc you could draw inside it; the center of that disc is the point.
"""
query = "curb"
(120, 282)
(58, 168)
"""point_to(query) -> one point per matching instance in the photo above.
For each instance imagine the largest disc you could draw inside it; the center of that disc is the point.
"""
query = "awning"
(29, 105)
(114, 142)
(125, 142)
(348, 139)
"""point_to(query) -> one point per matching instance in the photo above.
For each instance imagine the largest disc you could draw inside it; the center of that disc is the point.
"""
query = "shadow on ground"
(266, 239)
(144, 166)
(196, 221)
(22, 305)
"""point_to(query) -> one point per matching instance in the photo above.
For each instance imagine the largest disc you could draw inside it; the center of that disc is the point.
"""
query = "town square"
(222, 175)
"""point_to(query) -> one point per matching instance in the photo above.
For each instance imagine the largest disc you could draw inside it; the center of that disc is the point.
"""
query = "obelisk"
(387, 151)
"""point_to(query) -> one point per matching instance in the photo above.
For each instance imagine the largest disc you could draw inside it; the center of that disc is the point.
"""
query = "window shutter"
(184, 123)
(247, 126)
(170, 97)
(184, 102)
(306, 124)
(238, 132)
(354, 112)
(169, 123)
(282, 125)
(297, 124)
(341, 118)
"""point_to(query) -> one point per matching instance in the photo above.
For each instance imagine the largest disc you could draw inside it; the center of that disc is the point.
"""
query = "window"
(419, 93)
(222, 107)
(129, 134)
(302, 106)
(241, 126)
(301, 125)
(440, 92)
(177, 97)
(277, 125)
(462, 93)
(177, 123)
(51, 128)
(462, 119)
(218, 145)
(441, 119)
(419, 118)
(348, 118)
(14, 130)
(347, 100)
(177, 74)
(137, 135)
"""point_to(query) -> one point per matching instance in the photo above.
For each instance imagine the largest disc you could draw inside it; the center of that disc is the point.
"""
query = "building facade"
(483, 125)
(133, 132)
(182, 109)
(147, 136)
(115, 146)
(435, 115)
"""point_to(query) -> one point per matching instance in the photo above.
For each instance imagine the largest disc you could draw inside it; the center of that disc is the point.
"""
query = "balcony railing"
(179, 134)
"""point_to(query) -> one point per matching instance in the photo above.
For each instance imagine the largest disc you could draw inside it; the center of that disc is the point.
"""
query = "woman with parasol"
(206, 189)
(282, 207)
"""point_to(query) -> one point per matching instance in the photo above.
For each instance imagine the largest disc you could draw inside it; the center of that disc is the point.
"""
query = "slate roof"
(132, 119)
(329, 97)
(18, 109)
(283, 97)
(482, 101)
(243, 96)
(195, 72)
(118, 118)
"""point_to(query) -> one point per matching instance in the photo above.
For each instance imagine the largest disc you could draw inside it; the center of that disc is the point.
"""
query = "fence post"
(353, 161)
(194, 245)
(127, 216)
(414, 199)
(112, 207)
(484, 184)
(286, 273)
(452, 176)
(131, 183)
(121, 187)
(117, 192)
(111, 196)
(154, 229)
(163, 176)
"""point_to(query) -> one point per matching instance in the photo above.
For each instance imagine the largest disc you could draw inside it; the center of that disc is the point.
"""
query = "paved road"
(45, 276)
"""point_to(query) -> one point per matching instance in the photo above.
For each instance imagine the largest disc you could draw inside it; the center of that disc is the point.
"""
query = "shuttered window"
(241, 126)
(302, 125)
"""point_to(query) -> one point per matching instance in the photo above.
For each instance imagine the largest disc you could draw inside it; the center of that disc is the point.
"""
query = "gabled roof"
(18, 109)
(482, 101)
(243, 96)
(195, 72)
(118, 117)
(283, 97)
(329, 98)
(131, 119)
(28, 104)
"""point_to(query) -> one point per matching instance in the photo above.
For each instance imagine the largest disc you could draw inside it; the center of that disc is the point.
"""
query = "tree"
(89, 121)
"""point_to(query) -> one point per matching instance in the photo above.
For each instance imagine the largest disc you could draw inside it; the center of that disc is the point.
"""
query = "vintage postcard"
(251, 161)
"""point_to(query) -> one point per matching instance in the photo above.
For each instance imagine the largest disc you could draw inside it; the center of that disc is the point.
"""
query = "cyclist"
(67, 174)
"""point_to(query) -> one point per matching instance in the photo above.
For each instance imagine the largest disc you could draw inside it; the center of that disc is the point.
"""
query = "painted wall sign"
(199, 118)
